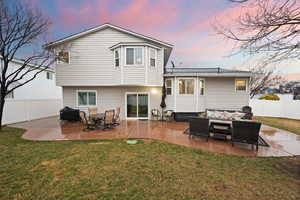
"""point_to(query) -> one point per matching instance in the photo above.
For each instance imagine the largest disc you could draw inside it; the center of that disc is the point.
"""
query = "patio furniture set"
(94, 120)
(222, 124)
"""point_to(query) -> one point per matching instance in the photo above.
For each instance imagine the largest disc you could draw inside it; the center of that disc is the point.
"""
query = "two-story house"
(108, 66)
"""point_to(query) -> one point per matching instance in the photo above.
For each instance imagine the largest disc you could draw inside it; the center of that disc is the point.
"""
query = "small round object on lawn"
(132, 141)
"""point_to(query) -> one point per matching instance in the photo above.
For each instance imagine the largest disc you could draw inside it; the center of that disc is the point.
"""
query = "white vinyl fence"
(24, 110)
(286, 107)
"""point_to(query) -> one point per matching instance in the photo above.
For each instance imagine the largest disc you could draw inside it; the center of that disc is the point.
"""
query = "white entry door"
(137, 105)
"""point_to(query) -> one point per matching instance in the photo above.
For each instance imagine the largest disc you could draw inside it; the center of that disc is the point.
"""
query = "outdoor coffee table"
(220, 128)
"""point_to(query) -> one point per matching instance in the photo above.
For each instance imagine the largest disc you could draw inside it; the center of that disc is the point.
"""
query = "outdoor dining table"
(97, 118)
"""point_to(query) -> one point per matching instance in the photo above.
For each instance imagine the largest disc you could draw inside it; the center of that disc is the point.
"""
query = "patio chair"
(108, 121)
(92, 111)
(117, 117)
(168, 115)
(245, 132)
(155, 114)
(248, 112)
(199, 127)
(89, 124)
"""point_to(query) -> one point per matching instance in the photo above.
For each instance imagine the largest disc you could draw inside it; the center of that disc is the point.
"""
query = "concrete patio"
(282, 143)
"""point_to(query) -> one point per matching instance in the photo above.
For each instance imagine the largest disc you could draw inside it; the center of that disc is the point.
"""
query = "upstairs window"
(240, 85)
(134, 56)
(186, 86)
(201, 87)
(86, 98)
(117, 58)
(49, 75)
(63, 57)
(152, 57)
(168, 87)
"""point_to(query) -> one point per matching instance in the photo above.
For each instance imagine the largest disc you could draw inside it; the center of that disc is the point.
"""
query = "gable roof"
(103, 26)
(213, 71)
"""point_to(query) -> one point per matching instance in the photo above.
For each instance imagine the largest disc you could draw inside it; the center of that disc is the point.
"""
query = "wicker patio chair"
(89, 124)
(117, 117)
(155, 114)
(199, 127)
(108, 119)
(92, 111)
(168, 115)
(245, 132)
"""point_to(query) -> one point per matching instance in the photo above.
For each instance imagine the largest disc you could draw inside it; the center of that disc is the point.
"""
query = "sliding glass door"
(137, 105)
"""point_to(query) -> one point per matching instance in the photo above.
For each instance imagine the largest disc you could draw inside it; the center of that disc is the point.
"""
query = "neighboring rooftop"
(214, 71)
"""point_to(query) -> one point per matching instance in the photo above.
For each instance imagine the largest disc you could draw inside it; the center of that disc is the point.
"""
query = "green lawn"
(291, 125)
(149, 170)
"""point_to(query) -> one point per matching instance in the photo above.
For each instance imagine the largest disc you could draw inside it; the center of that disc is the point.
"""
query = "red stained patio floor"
(282, 143)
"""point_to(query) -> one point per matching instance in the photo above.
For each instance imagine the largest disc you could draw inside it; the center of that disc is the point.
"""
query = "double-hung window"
(134, 56)
(152, 57)
(186, 86)
(63, 57)
(86, 98)
(168, 86)
(117, 58)
(201, 86)
(241, 85)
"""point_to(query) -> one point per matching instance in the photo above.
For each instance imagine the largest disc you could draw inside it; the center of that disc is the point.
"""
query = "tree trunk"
(2, 102)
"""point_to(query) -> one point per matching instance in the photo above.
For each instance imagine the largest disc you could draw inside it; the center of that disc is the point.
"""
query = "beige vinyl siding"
(92, 62)
(111, 97)
(219, 93)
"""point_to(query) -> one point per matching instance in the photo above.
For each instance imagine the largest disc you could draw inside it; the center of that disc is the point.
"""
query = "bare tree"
(263, 78)
(266, 27)
(21, 27)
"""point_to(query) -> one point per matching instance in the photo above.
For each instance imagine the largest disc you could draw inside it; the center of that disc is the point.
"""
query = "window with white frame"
(201, 86)
(117, 58)
(49, 75)
(240, 85)
(63, 57)
(134, 56)
(152, 57)
(86, 98)
(186, 86)
(168, 85)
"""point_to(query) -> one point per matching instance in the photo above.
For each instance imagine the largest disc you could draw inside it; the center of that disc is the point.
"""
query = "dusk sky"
(187, 24)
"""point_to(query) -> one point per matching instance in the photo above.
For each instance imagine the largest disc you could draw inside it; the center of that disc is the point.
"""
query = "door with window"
(137, 105)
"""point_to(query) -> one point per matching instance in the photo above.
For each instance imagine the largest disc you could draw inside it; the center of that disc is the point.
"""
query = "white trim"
(155, 57)
(146, 64)
(120, 44)
(175, 94)
(137, 93)
(241, 79)
(86, 106)
(184, 78)
(58, 61)
(102, 27)
(122, 64)
(134, 64)
(237, 75)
